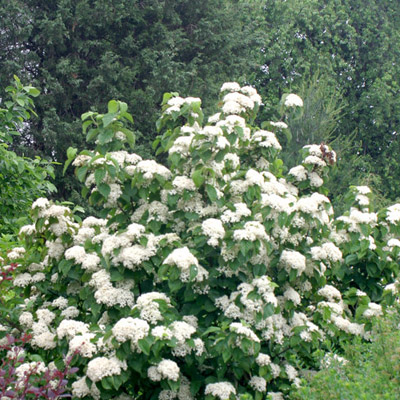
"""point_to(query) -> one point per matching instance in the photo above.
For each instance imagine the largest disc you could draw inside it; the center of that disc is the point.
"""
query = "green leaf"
(351, 259)
(167, 96)
(105, 136)
(130, 137)
(81, 173)
(226, 354)
(71, 153)
(268, 310)
(99, 175)
(211, 192)
(86, 115)
(106, 383)
(32, 91)
(123, 107)
(104, 189)
(116, 276)
(145, 346)
(36, 357)
(64, 266)
(113, 106)
(92, 134)
(198, 177)
(111, 170)
(193, 272)
(85, 125)
(107, 119)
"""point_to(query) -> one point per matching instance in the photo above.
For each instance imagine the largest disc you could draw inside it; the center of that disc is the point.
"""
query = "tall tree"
(358, 52)
(85, 52)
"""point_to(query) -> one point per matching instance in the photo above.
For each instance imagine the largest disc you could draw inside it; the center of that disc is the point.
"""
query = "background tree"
(357, 54)
(85, 52)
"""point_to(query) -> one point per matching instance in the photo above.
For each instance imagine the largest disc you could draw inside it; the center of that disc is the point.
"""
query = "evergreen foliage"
(85, 52)
(354, 46)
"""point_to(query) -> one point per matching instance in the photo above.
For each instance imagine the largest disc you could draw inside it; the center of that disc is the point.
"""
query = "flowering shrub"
(218, 276)
(30, 380)
(23, 374)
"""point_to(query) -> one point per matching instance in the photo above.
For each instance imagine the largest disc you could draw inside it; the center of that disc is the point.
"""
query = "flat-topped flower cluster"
(210, 278)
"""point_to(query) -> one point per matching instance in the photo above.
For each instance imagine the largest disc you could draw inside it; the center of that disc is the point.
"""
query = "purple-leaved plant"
(30, 380)
(21, 379)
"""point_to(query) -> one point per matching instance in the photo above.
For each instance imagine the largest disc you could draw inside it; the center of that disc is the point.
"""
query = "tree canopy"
(85, 52)
(357, 55)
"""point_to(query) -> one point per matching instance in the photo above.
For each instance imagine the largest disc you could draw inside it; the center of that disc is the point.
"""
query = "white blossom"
(258, 383)
(223, 390)
(214, 229)
(130, 328)
(291, 259)
(293, 100)
(100, 367)
(184, 259)
(230, 87)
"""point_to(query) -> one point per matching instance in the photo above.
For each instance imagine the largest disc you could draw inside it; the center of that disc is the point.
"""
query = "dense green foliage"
(371, 371)
(85, 52)
(357, 55)
(22, 179)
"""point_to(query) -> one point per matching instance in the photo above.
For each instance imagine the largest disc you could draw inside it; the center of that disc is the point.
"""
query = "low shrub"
(368, 371)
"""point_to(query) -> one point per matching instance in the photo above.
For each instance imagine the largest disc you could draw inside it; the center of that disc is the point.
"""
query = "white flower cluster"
(240, 210)
(393, 214)
(150, 309)
(373, 310)
(106, 293)
(100, 367)
(182, 331)
(266, 139)
(132, 329)
(291, 259)
(222, 390)
(252, 230)
(258, 383)
(293, 100)
(184, 259)
(239, 99)
(214, 229)
(166, 369)
(245, 331)
(175, 103)
(328, 251)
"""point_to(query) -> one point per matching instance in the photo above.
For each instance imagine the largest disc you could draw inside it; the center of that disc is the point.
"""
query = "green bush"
(372, 370)
(21, 179)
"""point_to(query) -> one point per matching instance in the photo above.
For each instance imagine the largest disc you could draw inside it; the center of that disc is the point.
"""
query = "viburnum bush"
(22, 379)
(23, 374)
(219, 276)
